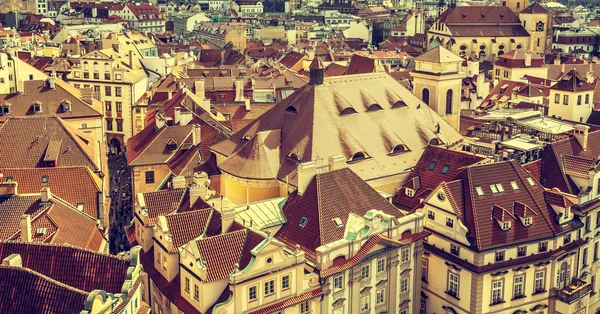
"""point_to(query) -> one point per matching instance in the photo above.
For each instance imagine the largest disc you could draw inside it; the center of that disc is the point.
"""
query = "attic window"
(293, 156)
(399, 149)
(303, 222)
(80, 207)
(36, 107)
(514, 185)
(399, 104)
(44, 179)
(497, 188)
(531, 181)
(505, 225)
(171, 144)
(291, 109)
(5, 110)
(347, 111)
(432, 166)
(338, 222)
(445, 169)
(9, 179)
(374, 107)
(245, 138)
(40, 231)
(359, 156)
(479, 191)
(527, 221)
(66, 105)
(434, 141)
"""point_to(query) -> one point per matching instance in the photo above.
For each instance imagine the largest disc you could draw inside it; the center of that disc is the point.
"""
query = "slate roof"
(329, 109)
(24, 291)
(24, 141)
(329, 195)
(75, 267)
(437, 158)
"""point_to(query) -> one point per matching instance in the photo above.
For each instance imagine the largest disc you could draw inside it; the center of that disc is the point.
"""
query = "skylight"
(44, 179)
(303, 222)
(500, 187)
(445, 169)
(497, 188)
(479, 191)
(531, 181)
(338, 222)
(494, 188)
(514, 185)
(432, 166)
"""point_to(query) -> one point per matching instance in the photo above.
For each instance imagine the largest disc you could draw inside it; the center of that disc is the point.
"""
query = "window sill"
(518, 297)
(539, 292)
(497, 302)
(452, 295)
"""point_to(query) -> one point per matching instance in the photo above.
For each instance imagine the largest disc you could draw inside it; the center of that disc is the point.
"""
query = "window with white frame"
(269, 287)
(449, 222)
(196, 293)
(453, 281)
(403, 285)
(305, 307)
(364, 303)
(405, 255)
(285, 282)
(252, 293)
(424, 269)
(497, 291)
(454, 249)
(518, 287)
(365, 272)
(539, 284)
(338, 283)
(381, 265)
(380, 298)
(187, 284)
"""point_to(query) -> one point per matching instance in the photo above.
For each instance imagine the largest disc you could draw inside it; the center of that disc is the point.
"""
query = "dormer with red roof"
(503, 217)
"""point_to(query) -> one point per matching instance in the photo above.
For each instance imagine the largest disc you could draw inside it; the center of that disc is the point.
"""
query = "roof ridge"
(56, 282)
(148, 144)
(69, 246)
(68, 131)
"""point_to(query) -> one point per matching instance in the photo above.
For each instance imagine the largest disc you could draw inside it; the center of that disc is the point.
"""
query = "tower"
(535, 19)
(515, 5)
(437, 81)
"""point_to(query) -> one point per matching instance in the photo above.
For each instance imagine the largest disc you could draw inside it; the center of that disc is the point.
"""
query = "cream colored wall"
(241, 191)
(438, 283)
(491, 48)
(94, 127)
(438, 86)
(572, 111)
(139, 177)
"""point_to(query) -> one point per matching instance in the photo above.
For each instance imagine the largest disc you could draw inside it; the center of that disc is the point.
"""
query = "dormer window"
(359, 156)
(399, 149)
(374, 107)
(399, 104)
(506, 225)
(36, 107)
(5, 109)
(434, 141)
(527, 221)
(291, 109)
(44, 179)
(171, 144)
(409, 192)
(347, 111)
(66, 105)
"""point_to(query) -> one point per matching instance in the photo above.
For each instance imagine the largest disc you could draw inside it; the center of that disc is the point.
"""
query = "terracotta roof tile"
(577, 166)
(163, 202)
(184, 227)
(220, 263)
(289, 302)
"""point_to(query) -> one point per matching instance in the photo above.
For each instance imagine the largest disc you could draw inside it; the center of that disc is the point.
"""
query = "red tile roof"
(219, 262)
(184, 227)
(429, 178)
(24, 291)
(572, 82)
(75, 267)
(329, 195)
(163, 202)
(289, 302)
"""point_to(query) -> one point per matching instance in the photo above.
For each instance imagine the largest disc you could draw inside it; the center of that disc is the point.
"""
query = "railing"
(577, 290)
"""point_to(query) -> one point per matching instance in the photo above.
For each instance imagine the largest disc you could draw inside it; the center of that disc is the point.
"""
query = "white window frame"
(365, 272)
(381, 265)
(405, 255)
(518, 286)
(404, 282)
(338, 283)
(497, 291)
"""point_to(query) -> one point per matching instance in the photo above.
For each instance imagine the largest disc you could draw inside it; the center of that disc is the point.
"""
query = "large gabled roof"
(439, 54)
(329, 195)
(359, 114)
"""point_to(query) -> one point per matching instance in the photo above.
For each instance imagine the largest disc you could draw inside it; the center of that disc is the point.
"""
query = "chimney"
(337, 162)
(227, 218)
(8, 188)
(13, 260)
(247, 104)
(26, 228)
(556, 60)
(160, 121)
(199, 188)
(46, 195)
(528, 55)
(581, 135)
(169, 121)
(196, 134)
(239, 88)
(179, 182)
(52, 80)
(182, 116)
(199, 88)
(306, 172)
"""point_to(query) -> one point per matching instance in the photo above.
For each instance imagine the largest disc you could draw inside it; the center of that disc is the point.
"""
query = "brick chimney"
(13, 260)
(581, 135)
(26, 235)
(52, 80)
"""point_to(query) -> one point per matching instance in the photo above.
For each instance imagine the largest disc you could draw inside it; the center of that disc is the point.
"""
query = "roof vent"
(338, 222)
(303, 222)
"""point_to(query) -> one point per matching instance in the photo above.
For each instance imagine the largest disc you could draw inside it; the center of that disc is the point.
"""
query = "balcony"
(577, 290)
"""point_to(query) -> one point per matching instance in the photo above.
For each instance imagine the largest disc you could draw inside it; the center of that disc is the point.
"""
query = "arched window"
(291, 109)
(434, 141)
(399, 149)
(106, 67)
(347, 111)
(358, 156)
(425, 96)
(85, 66)
(374, 107)
(399, 104)
(95, 66)
(449, 96)
(519, 46)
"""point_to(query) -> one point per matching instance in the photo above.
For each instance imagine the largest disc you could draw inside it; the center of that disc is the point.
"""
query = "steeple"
(317, 72)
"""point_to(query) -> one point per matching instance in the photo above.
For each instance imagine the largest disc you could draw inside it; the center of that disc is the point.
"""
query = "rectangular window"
(424, 269)
(285, 282)
(96, 76)
(430, 214)
(380, 299)
(365, 272)
(499, 256)
(381, 265)
(108, 105)
(118, 91)
(107, 90)
(86, 75)
(543, 246)
(514, 185)
(567, 238)
(566, 100)
(587, 99)
(109, 124)
(596, 251)
(196, 293)
(305, 307)
(405, 255)
(519, 286)
(454, 249)
(403, 285)
(579, 98)
(539, 283)
(187, 284)
(338, 283)
(522, 251)
(453, 281)
(107, 76)
(557, 98)
(252, 293)
(497, 291)
(164, 265)
(149, 177)
(119, 106)
(588, 223)
(159, 257)
(119, 125)
(450, 222)
(269, 287)
(584, 257)
(364, 303)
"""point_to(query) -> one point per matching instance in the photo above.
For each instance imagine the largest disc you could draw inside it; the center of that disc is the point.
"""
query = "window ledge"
(539, 292)
(497, 302)
(452, 295)
(518, 297)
